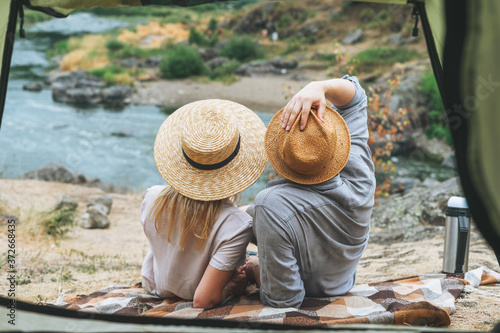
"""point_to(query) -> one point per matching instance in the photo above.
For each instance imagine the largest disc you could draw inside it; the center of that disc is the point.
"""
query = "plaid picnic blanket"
(420, 300)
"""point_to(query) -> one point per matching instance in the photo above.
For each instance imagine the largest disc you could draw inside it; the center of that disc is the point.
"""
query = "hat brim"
(342, 149)
(224, 182)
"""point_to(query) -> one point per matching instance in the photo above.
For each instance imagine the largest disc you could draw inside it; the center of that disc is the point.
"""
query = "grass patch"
(371, 59)
(57, 222)
(437, 127)
(115, 74)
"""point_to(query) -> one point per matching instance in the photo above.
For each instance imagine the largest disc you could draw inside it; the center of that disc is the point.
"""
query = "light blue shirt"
(311, 237)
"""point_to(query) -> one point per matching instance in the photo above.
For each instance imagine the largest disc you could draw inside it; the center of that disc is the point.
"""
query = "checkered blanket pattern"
(420, 300)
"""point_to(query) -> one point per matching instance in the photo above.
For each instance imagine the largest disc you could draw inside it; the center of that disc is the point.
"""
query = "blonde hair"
(196, 217)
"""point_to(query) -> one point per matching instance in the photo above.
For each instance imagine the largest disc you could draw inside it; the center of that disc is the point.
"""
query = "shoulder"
(284, 199)
(235, 216)
(277, 191)
(149, 197)
(153, 192)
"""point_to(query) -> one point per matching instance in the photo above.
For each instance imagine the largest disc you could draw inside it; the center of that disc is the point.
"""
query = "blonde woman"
(207, 152)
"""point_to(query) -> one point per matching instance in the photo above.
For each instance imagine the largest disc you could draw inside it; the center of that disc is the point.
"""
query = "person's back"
(170, 269)
(311, 236)
(207, 151)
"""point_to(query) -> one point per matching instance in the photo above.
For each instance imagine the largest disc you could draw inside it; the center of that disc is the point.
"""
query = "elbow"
(205, 303)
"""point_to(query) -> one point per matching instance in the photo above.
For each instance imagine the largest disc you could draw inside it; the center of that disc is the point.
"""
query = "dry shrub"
(160, 32)
(87, 52)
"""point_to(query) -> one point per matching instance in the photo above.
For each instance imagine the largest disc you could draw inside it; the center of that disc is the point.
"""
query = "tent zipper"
(414, 14)
(22, 33)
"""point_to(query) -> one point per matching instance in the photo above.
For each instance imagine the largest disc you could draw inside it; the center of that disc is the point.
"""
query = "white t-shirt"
(170, 271)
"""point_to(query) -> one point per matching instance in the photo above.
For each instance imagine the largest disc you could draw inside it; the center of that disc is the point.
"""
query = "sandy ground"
(87, 260)
(267, 93)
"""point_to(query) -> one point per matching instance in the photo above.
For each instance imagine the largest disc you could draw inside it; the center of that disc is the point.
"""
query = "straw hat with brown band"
(313, 155)
(211, 149)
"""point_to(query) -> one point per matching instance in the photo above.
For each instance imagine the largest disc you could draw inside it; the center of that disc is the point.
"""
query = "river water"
(36, 130)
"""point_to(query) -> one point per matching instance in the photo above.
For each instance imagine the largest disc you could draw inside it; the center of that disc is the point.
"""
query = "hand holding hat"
(314, 95)
(307, 141)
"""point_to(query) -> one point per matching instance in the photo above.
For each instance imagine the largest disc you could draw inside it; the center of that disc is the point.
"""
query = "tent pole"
(7, 53)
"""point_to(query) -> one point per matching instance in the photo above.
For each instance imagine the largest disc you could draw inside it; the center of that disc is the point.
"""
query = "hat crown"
(309, 151)
(213, 139)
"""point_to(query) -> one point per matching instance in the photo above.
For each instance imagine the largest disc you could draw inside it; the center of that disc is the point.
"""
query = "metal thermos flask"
(456, 236)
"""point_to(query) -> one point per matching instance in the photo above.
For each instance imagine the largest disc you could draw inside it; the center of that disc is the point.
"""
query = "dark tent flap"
(481, 101)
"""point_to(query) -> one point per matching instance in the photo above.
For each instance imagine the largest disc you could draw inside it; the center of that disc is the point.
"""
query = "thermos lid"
(458, 206)
(457, 202)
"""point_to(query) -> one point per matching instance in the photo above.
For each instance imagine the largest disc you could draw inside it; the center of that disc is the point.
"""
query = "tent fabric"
(481, 95)
(466, 107)
(4, 19)
(435, 13)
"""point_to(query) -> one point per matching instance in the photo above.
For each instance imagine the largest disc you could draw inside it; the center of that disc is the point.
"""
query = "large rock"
(116, 95)
(353, 37)
(216, 62)
(55, 172)
(257, 19)
(151, 62)
(417, 214)
(257, 68)
(310, 29)
(66, 202)
(276, 65)
(281, 63)
(95, 217)
(80, 96)
(33, 86)
(106, 200)
(81, 88)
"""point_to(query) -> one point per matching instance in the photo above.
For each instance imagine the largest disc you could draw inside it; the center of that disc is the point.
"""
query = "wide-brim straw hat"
(211, 149)
(313, 155)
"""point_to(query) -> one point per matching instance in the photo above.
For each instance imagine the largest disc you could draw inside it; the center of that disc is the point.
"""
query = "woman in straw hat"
(312, 227)
(208, 152)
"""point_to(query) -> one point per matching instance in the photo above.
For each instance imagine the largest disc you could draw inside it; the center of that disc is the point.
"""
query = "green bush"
(180, 62)
(242, 48)
(129, 51)
(372, 58)
(212, 25)
(225, 72)
(196, 37)
(437, 127)
(114, 45)
(284, 21)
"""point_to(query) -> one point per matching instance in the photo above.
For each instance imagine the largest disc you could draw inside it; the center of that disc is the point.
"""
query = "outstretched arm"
(338, 91)
(216, 285)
